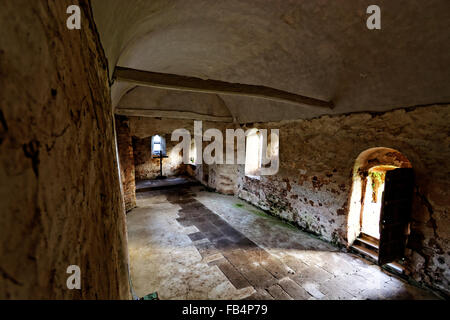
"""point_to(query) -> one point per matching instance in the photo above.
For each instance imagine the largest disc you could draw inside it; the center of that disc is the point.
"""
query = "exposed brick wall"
(60, 199)
(126, 159)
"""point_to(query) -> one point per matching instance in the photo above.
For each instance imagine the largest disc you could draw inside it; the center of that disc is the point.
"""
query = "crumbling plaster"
(317, 158)
(148, 167)
(314, 184)
(126, 161)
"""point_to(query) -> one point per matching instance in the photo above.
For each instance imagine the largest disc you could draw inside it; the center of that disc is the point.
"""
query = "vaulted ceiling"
(320, 49)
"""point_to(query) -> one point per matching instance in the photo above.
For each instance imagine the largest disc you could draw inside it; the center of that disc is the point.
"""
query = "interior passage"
(188, 243)
(167, 119)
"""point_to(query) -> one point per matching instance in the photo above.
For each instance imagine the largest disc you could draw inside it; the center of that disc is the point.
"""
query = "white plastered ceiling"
(316, 48)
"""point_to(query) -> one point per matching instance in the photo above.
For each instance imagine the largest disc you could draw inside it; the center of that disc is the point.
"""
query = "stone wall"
(148, 167)
(313, 186)
(60, 199)
(142, 129)
(126, 159)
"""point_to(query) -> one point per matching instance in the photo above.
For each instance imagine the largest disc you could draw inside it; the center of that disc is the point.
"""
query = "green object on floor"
(151, 296)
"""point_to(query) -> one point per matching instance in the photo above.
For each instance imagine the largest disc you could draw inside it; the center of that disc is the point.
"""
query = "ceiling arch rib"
(192, 84)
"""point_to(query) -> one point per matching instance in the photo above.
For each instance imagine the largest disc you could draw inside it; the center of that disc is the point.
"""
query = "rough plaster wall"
(142, 129)
(126, 159)
(221, 178)
(314, 183)
(317, 158)
(60, 198)
(161, 99)
(148, 168)
(200, 173)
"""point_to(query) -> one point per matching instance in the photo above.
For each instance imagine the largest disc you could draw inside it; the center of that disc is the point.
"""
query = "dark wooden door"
(395, 214)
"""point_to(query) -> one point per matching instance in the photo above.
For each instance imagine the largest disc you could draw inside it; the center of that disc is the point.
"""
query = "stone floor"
(187, 243)
(148, 185)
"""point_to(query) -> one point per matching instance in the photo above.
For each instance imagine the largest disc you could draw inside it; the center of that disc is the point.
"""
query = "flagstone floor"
(187, 243)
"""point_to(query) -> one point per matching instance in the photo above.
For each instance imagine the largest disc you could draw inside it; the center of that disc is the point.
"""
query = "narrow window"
(158, 145)
(193, 153)
(253, 154)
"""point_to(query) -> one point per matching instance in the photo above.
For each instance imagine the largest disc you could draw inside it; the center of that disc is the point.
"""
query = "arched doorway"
(380, 204)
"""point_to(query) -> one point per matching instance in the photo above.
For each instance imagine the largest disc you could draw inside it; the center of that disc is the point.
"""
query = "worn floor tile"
(187, 243)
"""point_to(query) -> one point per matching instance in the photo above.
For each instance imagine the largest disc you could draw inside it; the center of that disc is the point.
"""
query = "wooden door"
(395, 214)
